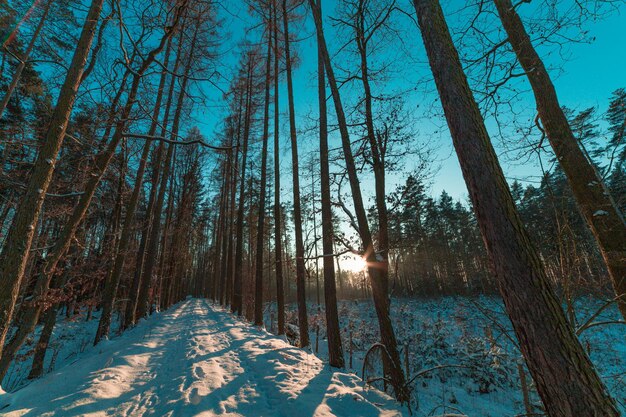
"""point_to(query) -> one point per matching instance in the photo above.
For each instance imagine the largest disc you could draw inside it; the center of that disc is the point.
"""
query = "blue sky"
(588, 75)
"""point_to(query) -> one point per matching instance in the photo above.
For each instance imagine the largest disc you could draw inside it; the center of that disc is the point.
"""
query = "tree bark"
(335, 348)
(237, 302)
(258, 275)
(592, 196)
(303, 319)
(220, 238)
(49, 320)
(169, 293)
(565, 378)
(225, 195)
(377, 149)
(230, 266)
(278, 247)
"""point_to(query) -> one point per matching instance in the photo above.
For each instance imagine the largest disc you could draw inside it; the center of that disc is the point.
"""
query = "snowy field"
(199, 360)
(195, 360)
(474, 336)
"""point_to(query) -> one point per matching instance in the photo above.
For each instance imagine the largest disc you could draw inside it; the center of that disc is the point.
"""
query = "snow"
(196, 360)
(70, 338)
(471, 332)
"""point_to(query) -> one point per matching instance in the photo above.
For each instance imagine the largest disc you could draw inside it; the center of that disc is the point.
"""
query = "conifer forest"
(313, 208)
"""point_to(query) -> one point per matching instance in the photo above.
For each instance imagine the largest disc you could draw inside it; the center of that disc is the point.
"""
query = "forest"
(316, 208)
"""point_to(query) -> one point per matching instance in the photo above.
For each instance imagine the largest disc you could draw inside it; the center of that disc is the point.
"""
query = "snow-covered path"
(195, 360)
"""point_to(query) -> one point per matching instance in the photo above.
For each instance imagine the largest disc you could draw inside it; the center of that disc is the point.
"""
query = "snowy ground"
(198, 360)
(195, 360)
(475, 334)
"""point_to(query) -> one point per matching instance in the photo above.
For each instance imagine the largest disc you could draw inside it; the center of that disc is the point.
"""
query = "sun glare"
(353, 263)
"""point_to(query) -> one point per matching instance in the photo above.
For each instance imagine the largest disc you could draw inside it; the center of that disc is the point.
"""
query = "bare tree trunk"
(169, 293)
(237, 302)
(303, 319)
(594, 201)
(169, 214)
(221, 231)
(230, 266)
(335, 348)
(278, 247)
(225, 195)
(258, 277)
(377, 274)
(17, 245)
(377, 148)
(565, 378)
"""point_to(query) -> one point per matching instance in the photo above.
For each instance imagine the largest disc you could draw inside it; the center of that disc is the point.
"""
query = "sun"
(353, 263)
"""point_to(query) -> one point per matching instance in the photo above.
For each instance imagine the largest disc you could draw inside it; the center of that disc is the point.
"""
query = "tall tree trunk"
(168, 279)
(258, 275)
(376, 148)
(230, 266)
(565, 378)
(377, 152)
(592, 196)
(17, 245)
(169, 213)
(237, 302)
(225, 196)
(278, 247)
(303, 319)
(220, 238)
(377, 275)
(335, 348)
